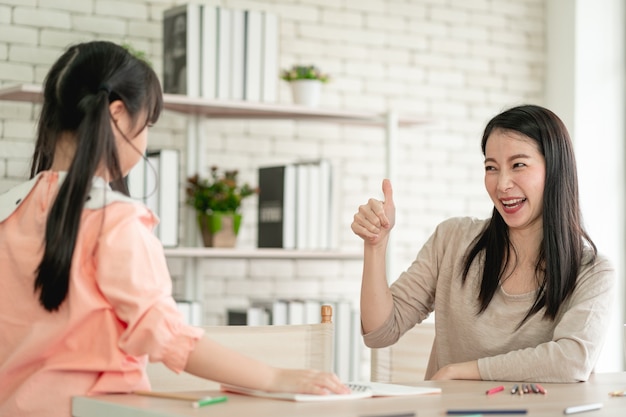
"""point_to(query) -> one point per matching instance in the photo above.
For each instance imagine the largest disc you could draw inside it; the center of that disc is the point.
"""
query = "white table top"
(455, 395)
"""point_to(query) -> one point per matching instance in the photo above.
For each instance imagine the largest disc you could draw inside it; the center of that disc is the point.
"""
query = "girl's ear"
(117, 109)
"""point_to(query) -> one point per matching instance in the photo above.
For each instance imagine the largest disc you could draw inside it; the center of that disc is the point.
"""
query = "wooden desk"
(455, 395)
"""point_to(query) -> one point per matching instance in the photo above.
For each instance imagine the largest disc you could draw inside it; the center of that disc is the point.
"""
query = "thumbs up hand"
(374, 220)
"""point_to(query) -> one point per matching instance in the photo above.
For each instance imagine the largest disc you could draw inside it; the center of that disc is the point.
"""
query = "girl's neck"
(64, 155)
(64, 152)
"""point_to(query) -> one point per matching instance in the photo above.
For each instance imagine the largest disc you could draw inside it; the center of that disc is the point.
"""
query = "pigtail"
(77, 93)
(94, 137)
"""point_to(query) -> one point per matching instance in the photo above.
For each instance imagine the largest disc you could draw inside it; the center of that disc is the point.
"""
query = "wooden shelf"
(236, 253)
(230, 109)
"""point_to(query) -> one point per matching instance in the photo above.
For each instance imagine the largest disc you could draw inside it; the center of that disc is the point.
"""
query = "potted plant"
(306, 83)
(217, 201)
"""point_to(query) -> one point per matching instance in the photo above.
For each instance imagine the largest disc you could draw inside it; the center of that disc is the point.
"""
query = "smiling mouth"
(511, 204)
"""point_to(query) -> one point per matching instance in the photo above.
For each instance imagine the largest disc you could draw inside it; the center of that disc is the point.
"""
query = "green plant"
(303, 72)
(218, 193)
(139, 54)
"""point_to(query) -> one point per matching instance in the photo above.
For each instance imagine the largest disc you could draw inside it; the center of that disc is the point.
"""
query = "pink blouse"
(118, 313)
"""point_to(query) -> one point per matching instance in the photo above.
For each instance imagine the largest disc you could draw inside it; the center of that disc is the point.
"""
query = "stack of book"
(191, 311)
(218, 53)
(295, 206)
(155, 181)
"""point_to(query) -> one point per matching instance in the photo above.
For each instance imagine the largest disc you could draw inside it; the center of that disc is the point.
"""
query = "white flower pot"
(306, 92)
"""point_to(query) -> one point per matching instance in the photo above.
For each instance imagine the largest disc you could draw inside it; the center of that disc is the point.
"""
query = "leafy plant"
(218, 193)
(139, 54)
(303, 72)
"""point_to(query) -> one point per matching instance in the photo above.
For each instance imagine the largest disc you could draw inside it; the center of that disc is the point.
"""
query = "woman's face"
(515, 172)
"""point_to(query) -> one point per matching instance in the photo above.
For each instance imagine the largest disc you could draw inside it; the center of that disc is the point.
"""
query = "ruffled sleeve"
(132, 275)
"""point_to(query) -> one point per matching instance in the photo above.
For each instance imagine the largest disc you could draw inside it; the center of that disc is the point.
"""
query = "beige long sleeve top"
(541, 350)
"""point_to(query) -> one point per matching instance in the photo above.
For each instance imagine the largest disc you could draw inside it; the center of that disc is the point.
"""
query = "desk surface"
(455, 395)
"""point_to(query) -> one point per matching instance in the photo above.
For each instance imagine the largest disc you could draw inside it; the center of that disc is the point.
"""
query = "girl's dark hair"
(77, 92)
(564, 236)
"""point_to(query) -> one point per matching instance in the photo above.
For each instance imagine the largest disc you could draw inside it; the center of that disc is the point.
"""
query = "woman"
(521, 296)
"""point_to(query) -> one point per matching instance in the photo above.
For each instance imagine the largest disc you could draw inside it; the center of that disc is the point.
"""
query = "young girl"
(521, 296)
(85, 294)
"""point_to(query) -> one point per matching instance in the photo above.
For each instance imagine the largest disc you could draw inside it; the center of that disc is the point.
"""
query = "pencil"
(487, 411)
(495, 389)
(195, 401)
(582, 408)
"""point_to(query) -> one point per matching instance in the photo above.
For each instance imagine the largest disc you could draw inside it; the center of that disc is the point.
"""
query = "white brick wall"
(457, 62)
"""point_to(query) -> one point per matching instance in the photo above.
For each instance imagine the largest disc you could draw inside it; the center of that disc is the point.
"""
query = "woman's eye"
(519, 165)
(489, 168)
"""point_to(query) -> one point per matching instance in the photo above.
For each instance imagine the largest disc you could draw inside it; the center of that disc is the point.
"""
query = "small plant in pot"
(217, 201)
(306, 83)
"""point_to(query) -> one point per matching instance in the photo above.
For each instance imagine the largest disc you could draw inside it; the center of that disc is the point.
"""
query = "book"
(253, 55)
(136, 181)
(257, 316)
(312, 223)
(358, 390)
(224, 51)
(342, 317)
(181, 50)
(162, 190)
(279, 312)
(356, 345)
(324, 200)
(302, 205)
(295, 312)
(237, 317)
(191, 311)
(209, 33)
(237, 56)
(312, 311)
(381, 389)
(154, 181)
(270, 70)
(277, 207)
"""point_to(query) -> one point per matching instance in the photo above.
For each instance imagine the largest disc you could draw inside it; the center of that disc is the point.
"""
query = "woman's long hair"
(77, 92)
(564, 236)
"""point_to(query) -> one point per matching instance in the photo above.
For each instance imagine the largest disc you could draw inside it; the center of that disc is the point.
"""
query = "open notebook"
(359, 390)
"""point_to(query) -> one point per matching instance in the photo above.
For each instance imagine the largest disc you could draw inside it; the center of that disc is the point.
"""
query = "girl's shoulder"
(101, 195)
(11, 199)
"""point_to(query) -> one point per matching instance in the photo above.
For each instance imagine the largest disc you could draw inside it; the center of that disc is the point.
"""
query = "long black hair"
(77, 92)
(564, 236)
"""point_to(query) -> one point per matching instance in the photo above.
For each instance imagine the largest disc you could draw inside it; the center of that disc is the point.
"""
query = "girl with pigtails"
(85, 293)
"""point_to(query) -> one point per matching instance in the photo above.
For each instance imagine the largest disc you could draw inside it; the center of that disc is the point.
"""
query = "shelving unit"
(199, 108)
(229, 109)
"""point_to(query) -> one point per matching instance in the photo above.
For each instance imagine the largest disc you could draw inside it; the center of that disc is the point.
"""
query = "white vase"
(306, 92)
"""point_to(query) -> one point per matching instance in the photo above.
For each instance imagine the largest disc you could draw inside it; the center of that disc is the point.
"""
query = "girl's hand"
(307, 382)
(374, 220)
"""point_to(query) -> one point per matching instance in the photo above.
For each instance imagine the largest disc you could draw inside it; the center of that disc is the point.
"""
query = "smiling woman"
(521, 296)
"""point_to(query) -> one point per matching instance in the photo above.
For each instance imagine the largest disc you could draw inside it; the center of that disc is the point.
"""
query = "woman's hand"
(463, 370)
(374, 220)
(306, 382)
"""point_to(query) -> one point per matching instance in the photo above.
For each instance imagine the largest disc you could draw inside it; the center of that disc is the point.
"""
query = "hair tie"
(105, 87)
